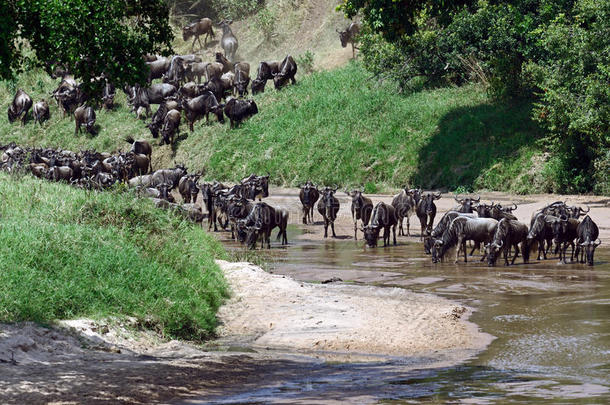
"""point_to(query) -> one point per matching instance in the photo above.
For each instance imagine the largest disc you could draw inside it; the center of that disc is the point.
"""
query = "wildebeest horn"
(455, 197)
(501, 244)
(478, 198)
(438, 195)
(515, 206)
(583, 211)
(598, 243)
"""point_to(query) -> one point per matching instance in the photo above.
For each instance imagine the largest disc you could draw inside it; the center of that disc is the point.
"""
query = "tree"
(90, 38)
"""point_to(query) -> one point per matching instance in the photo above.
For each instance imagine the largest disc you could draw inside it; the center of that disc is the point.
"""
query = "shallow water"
(551, 321)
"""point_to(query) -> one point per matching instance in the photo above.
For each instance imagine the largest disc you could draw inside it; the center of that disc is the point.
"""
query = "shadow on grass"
(470, 140)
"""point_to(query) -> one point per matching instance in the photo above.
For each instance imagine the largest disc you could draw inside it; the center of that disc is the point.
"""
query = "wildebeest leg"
(474, 246)
(325, 227)
(193, 44)
(516, 253)
(268, 237)
(305, 214)
(457, 249)
(332, 226)
(572, 255)
(355, 229)
(408, 224)
(400, 231)
(199, 40)
(394, 232)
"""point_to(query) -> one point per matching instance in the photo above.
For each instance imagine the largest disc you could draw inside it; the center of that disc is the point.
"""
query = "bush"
(305, 62)
(265, 21)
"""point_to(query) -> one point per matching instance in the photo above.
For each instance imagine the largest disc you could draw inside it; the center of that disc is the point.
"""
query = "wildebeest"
(201, 106)
(265, 72)
(286, 71)
(171, 127)
(169, 176)
(564, 233)
(328, 206)
(157, 68)
(41, 111)
(229, 41)
(466, 204)
(441, 227)
(60, 173)
(541, 232)
(84, 115)
(242, 79)
(576, 212)
(362, 207)
(213, 70)
(108, 93)
(405, 203)
(188, 188)
(426, 211)
(462, 229)
(239, 110)
(261, 221)
(237, 208)
(308, 195)
(228, 66)
(203, 26)
(350, 36)
(21, 104)
(384, 216)
(509, 233)
(154, 94)
(588, 234)
(140, 147)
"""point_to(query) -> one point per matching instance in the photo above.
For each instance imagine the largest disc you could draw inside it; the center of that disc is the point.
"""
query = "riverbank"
(281, 324)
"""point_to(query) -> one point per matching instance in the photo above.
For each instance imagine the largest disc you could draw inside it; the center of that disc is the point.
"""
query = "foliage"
(265, 21)
(88, 37)
(70, 253)
(232, 9)
(305, 62)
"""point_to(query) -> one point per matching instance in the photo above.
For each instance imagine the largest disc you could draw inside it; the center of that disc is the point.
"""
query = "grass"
(68, 253)
(333, 127)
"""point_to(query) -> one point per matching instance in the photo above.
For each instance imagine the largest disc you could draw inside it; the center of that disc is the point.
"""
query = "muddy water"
(551, 321)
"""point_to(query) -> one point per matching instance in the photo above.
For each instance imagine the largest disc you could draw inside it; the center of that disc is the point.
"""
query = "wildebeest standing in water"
(203, 26)
(362, 207)
(308, 195)
(350, 36)
(21, 104)
(404, 203)
(588, 234)
(426, 211)
(384, 216)
(328, 206)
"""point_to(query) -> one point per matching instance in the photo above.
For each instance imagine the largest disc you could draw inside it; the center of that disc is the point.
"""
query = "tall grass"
(67, 253)
(332, 127)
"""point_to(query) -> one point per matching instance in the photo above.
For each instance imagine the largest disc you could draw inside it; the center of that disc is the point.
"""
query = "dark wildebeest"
(564, 233)
(265, 72)
(237, 208)
(467, 204)
(140, 147)
(229, 41)
(108, 93)
(308, 195)
(261, 221)
(241, 81)
(405, 203)
(442, 226)
(350, 36)
(384, 216)
(201, 106)
(462, 229)
(588, 234)
(213, 70)
(239, 110)
(286, 71)
(157, 68)
(155, 94)
(362, 207)
(170, 176)
(41, 111)
(196, 70)
(171, 127)
(541, 231)
(328, 206)
(21, 104)
(253, 187)
(208, 193)
(509, 233)
(203, 26)
(157, 119)
(190, 90)
(576, 212)
(188, 188)
(426, 211)
(84, 115)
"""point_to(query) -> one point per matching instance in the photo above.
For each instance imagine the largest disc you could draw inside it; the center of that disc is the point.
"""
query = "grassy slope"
(69, 253)
(333, 127)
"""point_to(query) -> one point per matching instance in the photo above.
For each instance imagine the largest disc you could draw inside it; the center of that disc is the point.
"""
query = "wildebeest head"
(252, 233)
(187, 32)
(165, 192)
(589, 248)
(357, 200)
(344, 36)
(371, 234)
(328, 195)
(559, 226)
(493, 250)
(258, 86)
(310, 192)
(437, 246)
(427, 202)
(218, 111)
(575, 211)
(467, 204)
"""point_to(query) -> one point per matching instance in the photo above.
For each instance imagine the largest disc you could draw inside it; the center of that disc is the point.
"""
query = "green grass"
(68, 253)
(334, 127)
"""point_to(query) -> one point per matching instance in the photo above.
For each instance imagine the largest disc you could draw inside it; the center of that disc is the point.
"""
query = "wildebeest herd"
(492, 228)
(180, 92)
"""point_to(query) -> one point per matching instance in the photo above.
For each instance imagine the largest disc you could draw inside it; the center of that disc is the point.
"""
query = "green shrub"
(266, 21)
(305, 62)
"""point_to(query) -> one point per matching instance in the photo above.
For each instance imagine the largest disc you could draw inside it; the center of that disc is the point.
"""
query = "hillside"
(69, 253)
